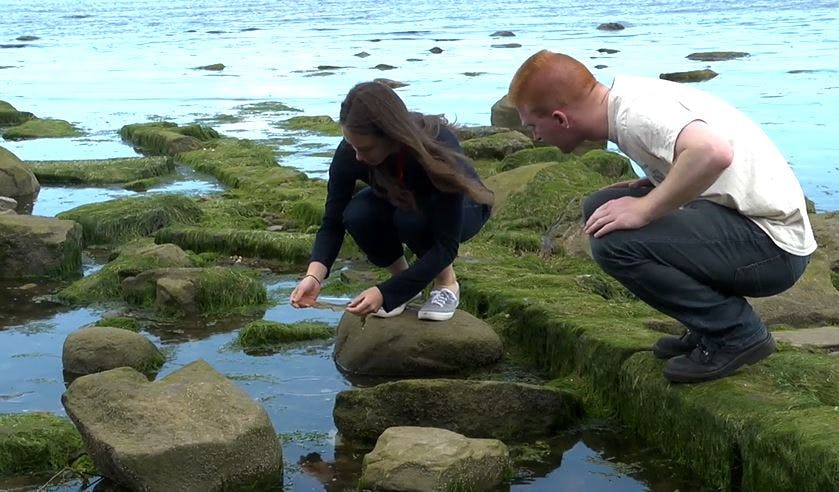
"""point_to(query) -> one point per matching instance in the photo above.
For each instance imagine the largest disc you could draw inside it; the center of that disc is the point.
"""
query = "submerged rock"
(428, 459)
(393, 84)
(39, 247)
(499, 410)
(717, 55)
(689, 76)
(405, 345)
(215, 67)
(36, 442)
(502, 34)
(611, 26)
(192, 430)
(101, 348)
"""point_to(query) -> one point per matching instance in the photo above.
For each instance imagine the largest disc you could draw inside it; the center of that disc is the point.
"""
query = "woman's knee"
(365, 214)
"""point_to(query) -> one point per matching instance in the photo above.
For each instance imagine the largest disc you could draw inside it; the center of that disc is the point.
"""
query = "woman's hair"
(372, 108)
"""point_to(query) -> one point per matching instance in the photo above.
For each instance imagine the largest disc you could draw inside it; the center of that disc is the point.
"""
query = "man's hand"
(367, 302)
(622, 213)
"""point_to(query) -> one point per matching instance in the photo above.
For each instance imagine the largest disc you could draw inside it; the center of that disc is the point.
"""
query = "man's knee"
(595, 200)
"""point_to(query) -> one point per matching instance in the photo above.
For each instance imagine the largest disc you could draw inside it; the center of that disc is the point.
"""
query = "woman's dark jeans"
(696, 264)
(380, 229)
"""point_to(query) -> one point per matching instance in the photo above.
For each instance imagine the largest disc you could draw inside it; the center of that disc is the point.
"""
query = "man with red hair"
(719, 214)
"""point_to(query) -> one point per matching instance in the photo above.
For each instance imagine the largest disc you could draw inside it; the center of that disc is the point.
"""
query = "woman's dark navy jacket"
(444, 212)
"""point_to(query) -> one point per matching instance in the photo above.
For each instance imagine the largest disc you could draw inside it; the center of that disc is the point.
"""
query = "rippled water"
(106, 64)
(102, 65)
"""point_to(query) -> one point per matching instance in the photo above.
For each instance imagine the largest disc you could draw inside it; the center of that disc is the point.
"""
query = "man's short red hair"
(548, 81)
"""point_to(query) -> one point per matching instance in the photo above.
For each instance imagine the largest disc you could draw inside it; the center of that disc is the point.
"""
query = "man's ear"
(560, 118)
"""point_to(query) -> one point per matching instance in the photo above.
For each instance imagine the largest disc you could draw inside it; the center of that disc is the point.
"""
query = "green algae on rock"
(534, 156)
(132, 259)
(41, 128)
(117, 221)
(284, 246)
(123, 322)
(496, 146)
(36, 443)
(181, 291)
(166, 138)
(102, 171)
(9, 116)
(321, 124)
(241, 164)
(267, 107)
(268, 336)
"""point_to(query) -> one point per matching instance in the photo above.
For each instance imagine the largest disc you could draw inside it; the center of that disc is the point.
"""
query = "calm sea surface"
(104, 64)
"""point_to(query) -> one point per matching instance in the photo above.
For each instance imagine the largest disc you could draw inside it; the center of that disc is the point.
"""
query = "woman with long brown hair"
(423, 192)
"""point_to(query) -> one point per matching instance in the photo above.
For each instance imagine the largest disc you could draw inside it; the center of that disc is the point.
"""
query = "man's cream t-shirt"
(647, 115)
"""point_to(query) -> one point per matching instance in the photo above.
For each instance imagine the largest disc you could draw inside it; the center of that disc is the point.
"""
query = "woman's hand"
(367, 302)
(306, 292)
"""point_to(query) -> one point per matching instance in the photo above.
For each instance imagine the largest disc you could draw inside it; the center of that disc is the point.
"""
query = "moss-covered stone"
(767, 427)
(9, 116)
(119, 220)
(99, 172)
(36, 443)
(284, 246)
(606, 163)
(496, 146)
(534, 156)
(267, 336)
(212, 291)
(553, 195)
(133, 259)
(323, 125)
(123, 322)
(41, 128)
(241, 164)
(166, 138)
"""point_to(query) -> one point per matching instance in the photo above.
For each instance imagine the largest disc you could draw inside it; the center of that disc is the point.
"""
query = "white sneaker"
(381, 313)
(441, 306)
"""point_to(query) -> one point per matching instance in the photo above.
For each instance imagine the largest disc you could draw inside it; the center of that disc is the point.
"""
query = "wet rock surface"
(486, 409)
(427, 459)
(405, 346)
(100, 348)
(193, 430)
